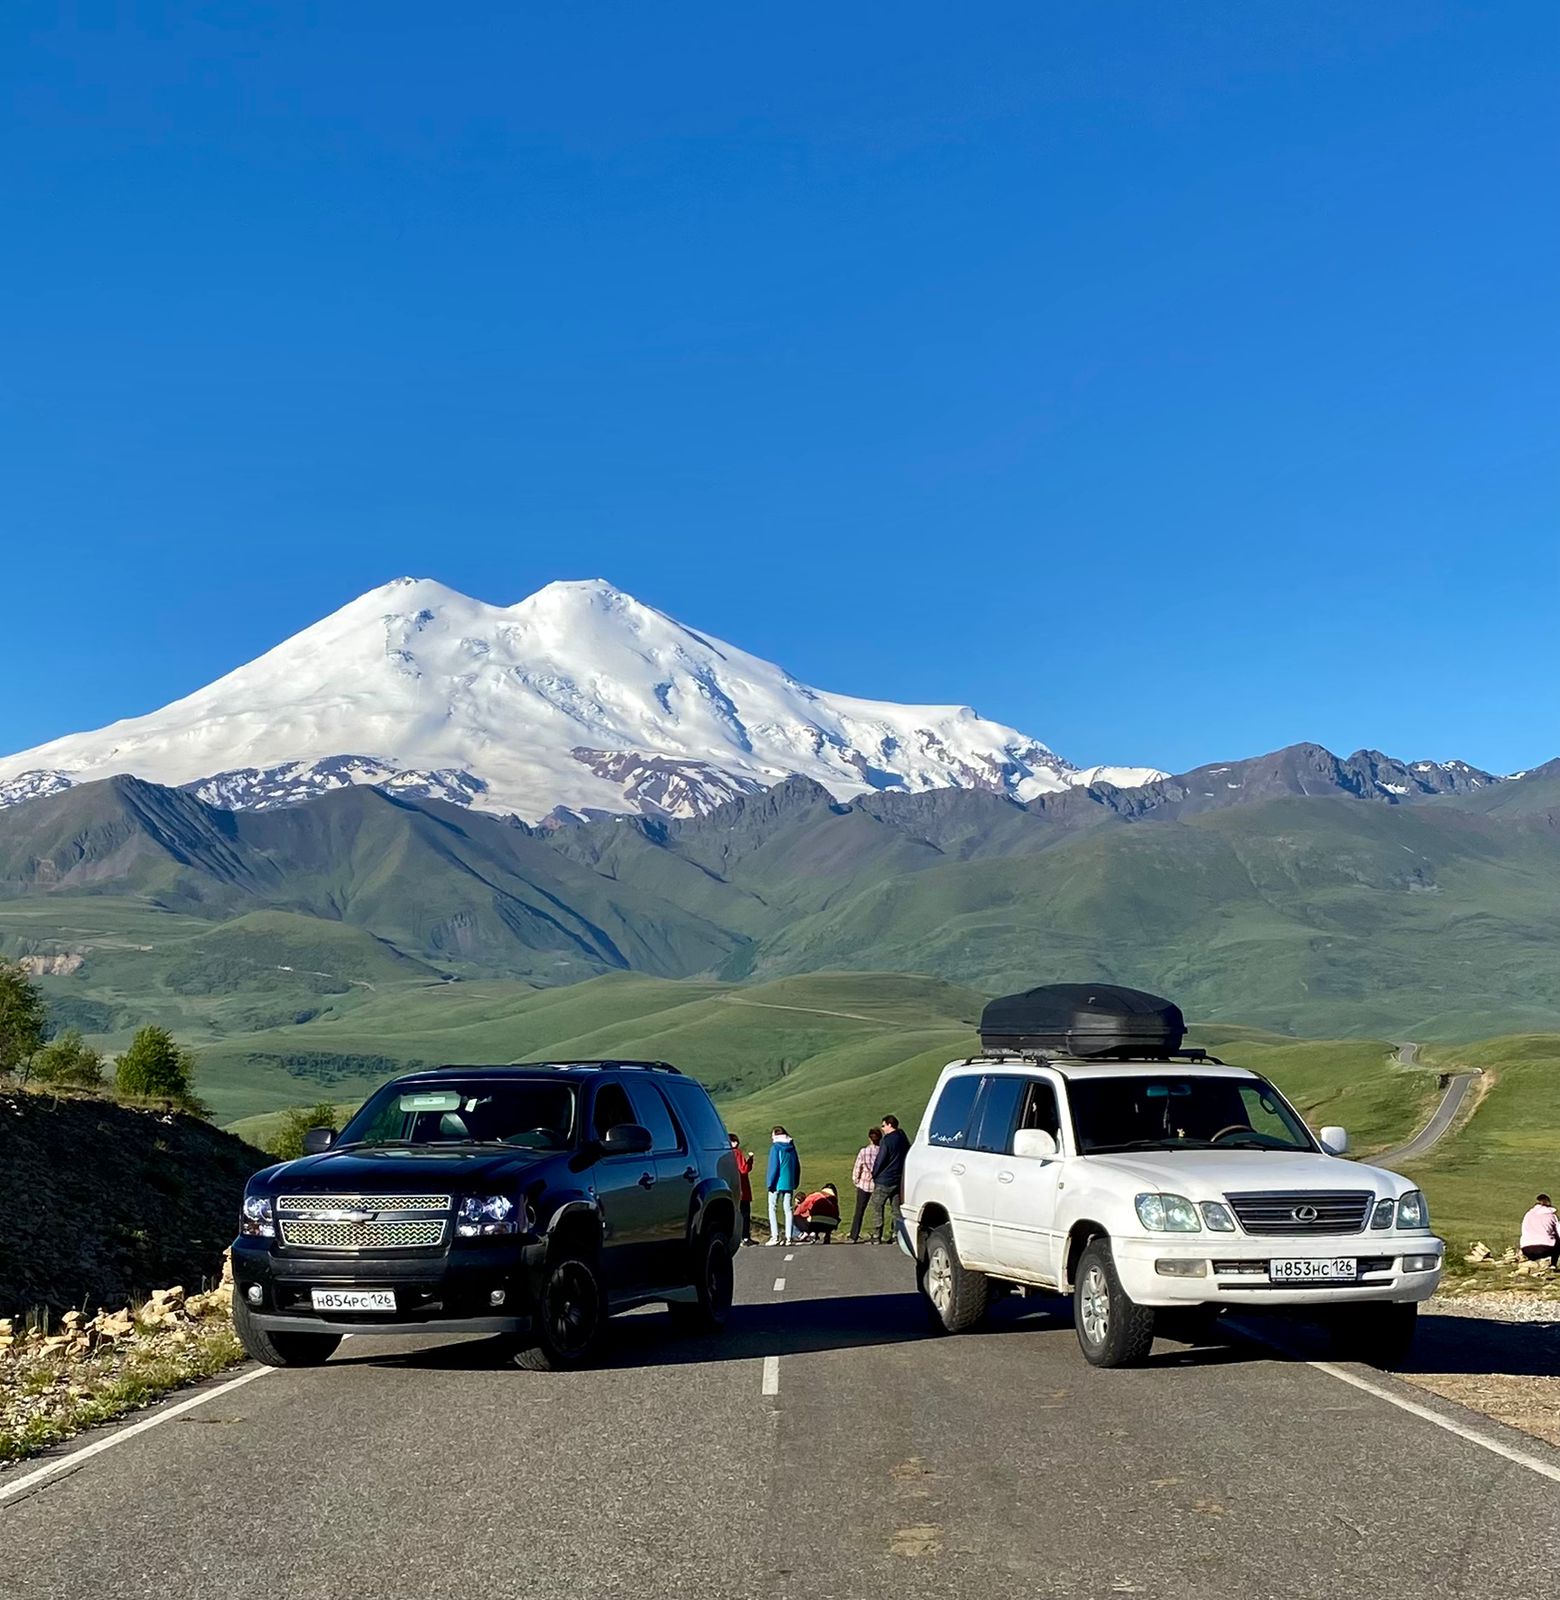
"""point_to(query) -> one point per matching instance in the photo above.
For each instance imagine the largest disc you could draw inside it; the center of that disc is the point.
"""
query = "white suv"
(1151, 1187)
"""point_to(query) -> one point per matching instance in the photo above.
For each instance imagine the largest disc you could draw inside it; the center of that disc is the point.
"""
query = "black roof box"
(1083, 1019)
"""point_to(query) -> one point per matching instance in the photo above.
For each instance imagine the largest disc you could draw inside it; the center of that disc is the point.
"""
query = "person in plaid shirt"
(861, 1176)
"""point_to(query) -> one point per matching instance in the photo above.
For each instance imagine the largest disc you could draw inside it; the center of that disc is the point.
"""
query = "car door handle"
(1004, 1177)
(647, 1180)
(690, 1173)
(957, 1169)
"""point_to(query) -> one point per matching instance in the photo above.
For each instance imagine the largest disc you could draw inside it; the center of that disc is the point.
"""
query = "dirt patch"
(1495, 1353)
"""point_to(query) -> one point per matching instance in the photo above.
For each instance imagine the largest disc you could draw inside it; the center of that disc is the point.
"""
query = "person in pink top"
(1541, 1232)
(861, 1176)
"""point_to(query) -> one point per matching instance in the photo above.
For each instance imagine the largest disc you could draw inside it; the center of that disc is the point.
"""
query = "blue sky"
(1173, 382)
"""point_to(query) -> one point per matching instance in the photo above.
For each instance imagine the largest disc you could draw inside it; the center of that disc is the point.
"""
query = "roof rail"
(542, 1066)
(1044, 1057)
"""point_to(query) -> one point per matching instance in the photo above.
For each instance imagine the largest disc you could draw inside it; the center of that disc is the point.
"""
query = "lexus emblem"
(1304, 1213)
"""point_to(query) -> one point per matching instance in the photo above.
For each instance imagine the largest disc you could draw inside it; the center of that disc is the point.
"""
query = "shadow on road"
(795, 1327)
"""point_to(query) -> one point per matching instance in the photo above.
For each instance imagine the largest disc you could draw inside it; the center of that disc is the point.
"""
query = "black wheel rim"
(571, 1308)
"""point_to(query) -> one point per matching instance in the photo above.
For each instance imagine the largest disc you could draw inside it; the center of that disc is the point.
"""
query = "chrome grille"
(1322, 1210)
(364, 1202)
(361, 1235)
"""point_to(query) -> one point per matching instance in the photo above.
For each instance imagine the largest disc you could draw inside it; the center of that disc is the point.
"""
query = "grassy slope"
(1483, 1177)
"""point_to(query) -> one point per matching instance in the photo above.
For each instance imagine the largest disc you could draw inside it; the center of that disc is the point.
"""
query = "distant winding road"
(1444, 1116)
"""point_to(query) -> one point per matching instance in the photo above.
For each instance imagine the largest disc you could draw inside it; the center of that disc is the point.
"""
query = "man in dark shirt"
(888, 1178)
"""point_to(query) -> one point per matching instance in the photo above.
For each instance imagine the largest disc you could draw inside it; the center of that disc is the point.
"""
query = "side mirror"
(318, 1140)
(1335, 1141)
(1035, 1144)
(627, 1139)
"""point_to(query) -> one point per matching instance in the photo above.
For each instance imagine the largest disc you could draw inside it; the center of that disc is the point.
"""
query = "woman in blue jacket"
(785, 1176)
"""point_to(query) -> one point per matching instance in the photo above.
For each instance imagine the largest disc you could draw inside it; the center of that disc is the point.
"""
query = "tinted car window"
(1040, 1110)
(999, 1114)
(949, 1127)
(698, 1115)
(612, 1109)
(653, 1114)
(529, 1112)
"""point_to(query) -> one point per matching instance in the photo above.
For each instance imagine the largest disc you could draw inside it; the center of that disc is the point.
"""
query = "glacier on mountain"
(577, 700)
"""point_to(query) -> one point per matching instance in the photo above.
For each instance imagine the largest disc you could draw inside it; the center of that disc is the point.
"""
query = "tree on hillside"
(287, 1143)
(21, 1019)
(68, 1062)
(156, 1067)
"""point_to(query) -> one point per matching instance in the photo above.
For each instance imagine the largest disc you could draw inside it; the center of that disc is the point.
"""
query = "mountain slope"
(578, 699)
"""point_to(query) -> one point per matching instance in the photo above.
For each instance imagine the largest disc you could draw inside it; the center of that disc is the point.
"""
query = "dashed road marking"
(791, 1258)
(771, 1383)
(779, 1285)
(122, 1435)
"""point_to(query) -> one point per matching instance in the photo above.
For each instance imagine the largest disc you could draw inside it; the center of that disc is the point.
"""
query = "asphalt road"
(885, 1463)
(1444, 1116)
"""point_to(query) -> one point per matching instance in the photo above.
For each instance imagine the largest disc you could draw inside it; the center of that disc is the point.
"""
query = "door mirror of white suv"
(1335, 1141)
(1034, 1143)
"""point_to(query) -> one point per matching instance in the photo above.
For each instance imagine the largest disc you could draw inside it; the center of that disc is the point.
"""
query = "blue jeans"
(774, 1226)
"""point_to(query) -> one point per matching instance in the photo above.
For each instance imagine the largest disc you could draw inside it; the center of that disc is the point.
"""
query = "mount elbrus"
(577, 700)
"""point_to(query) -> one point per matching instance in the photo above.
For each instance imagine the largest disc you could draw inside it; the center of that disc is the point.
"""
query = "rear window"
(697, 1114)
(949, 1124)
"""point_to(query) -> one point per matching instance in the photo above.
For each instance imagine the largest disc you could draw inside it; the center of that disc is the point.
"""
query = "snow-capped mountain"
(576, 700)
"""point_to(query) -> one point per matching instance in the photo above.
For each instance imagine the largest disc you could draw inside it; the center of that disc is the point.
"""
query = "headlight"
(484, 1214)
(1167, 1213)
(257, 1219)
(1385, 1211)
(1413, 1213)
(1217, 1217)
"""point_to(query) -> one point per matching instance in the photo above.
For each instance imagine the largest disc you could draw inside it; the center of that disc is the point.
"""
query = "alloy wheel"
(939, 1280)
(1094, 1302)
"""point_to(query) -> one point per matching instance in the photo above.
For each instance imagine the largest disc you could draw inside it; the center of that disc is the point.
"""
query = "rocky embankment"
(101, 1202)
(57, 1378)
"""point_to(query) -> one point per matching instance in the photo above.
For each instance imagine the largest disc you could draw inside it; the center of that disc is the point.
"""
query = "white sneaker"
(769, 1244)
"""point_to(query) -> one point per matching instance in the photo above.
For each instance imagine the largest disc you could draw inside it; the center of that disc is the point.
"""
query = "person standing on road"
(745, 1168)
(861, 1176)
(1541, 1233)
(888, 1177)
(785, 1176)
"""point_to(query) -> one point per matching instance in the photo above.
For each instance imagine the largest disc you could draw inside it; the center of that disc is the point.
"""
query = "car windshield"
(1181, 1111)
(529, 1113)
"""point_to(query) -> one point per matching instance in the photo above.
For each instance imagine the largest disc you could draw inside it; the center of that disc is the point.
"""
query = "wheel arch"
(1078, 1237)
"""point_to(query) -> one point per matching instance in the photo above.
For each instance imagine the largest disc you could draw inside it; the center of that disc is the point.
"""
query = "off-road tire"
(1113, 1330)
(1378, 1335)
(569, 1320)
(715, 1282)
(956, 1299)
(281, 1349)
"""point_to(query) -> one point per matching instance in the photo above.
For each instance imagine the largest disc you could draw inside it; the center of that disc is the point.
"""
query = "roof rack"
(538, 1066)
(1199, 1057)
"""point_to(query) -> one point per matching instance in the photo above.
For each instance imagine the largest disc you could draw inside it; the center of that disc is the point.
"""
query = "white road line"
(779, 1285)
(1472, 1435)
(76, 1457)
(1414, 1409)
(771, 1375)
(791, 1258)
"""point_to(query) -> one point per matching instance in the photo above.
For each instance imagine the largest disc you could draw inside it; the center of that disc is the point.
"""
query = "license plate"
(1314, 1269)
(353, 1299)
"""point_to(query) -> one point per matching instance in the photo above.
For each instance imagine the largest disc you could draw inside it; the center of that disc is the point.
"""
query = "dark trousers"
(883, 1201)
(1538, 1252)
(747, 1219)
(862, 1196)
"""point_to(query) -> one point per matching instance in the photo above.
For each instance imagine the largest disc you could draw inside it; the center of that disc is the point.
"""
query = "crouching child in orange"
(818, 1215)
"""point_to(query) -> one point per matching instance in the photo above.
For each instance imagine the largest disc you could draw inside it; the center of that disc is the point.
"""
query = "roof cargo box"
(1083, 1019)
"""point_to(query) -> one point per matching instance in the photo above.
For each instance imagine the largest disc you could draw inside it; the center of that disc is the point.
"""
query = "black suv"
(531, 1202)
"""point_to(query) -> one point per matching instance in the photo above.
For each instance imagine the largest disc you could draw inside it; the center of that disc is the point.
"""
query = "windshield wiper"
(1136, 1144)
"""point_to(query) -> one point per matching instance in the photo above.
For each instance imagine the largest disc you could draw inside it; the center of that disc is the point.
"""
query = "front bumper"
(1235, 1269)
(435, 1291)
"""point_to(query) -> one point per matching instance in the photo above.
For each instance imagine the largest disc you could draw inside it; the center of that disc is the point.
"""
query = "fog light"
(495, 1297)
(1421, 1263)
(1173, 1268)
(254, 1294)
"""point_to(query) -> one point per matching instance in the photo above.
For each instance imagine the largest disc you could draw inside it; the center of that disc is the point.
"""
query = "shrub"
(287, 1143)
(155, 1067)
(21, 1018)
(68, 1062)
